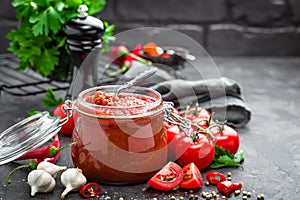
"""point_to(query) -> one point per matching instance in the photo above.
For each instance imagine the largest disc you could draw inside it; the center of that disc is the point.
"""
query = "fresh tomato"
(167, 124)
(200, 151)
(66, 129)
(192, 177)
(215, 177)
(197, 113)
(169, 177)
(229, 139)
(173, 136)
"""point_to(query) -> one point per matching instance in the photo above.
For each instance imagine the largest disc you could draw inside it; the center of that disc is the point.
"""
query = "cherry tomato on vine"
(228, 139)
(167, 178)
(173, 136)
(167, 124)
(215, 177)
(200, 151)
(66, 129)
(197, 113)
(192, 177)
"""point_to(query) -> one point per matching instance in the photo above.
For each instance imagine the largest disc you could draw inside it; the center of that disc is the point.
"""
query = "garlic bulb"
(51, 168)
(40, 181)
(73, 180)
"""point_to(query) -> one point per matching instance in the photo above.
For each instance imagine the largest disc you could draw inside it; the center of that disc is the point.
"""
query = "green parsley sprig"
(40, 41)
(223, 158)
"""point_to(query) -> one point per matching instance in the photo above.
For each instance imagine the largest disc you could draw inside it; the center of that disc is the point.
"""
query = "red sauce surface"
(119, 151)
(121, 105)
(122, 100)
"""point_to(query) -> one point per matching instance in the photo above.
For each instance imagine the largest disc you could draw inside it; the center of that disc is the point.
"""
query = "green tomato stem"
(205, 131)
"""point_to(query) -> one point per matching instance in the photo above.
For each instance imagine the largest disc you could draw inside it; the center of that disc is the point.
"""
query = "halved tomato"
(167, 178)
(192, 177)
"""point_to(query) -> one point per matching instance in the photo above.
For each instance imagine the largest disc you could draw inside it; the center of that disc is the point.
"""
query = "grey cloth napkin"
(221, 96)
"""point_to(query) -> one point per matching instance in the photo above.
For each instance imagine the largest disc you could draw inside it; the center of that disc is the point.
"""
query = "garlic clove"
(40, 181)
(68, 189)
(73, 180)
(51, 168)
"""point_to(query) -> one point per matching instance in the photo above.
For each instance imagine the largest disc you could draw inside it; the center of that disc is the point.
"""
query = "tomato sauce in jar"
(119, 139)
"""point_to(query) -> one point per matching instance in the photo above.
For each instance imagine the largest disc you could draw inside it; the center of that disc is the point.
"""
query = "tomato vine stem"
(186, 125)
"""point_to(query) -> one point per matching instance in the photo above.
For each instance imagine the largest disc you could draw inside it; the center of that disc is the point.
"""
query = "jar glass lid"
(26, 135)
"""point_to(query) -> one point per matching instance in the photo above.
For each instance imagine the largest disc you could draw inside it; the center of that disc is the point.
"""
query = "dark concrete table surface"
(271, 140)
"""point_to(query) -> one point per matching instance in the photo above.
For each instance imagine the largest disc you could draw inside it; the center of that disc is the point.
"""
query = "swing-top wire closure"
(189, 128)
(67, 108)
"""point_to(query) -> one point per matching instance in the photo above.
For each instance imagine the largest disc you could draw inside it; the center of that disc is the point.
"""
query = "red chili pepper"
(215, 177)
(137, 50)
(49, 151)
(114, 55)
(125, 66)
(90, 190)
(119, 53)
(226, 187)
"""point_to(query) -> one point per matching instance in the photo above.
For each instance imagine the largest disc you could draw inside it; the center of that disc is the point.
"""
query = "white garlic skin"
(40, 181)
(73, 180)
(51, 168)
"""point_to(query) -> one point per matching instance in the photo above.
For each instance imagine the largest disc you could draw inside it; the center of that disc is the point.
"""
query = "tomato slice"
(192, 177)
(215, 177)
(167, 178)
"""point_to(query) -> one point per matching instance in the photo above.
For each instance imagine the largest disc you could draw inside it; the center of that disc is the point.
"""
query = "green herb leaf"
(219, 151)
(50, 99)
(224, 161)
(45, 21)
(32, 112)
(223, 158)
(47, 61)
(107, 37)
(94, 6)
(239, 156)
(40, 41)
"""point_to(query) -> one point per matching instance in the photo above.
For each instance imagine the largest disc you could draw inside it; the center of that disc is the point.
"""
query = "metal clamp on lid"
(31, 133)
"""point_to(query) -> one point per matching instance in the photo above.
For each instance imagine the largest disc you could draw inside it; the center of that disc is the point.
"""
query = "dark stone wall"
(223, 27)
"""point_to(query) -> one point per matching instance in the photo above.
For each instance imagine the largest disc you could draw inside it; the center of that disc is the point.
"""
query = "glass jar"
(119, 144)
